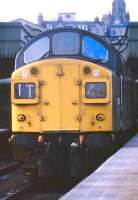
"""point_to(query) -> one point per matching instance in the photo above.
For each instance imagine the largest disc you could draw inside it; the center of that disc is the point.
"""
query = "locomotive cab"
(66, 94)
(57, 64)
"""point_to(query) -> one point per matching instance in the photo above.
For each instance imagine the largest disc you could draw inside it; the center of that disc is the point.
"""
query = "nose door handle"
(46, 102)
(74, 102)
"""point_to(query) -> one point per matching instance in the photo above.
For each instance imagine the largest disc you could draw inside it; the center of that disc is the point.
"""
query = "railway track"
(12, 184)
(41, 196)
(12, 180)
(17, 187)
(42, 190)
(4, 156)
(8, 166)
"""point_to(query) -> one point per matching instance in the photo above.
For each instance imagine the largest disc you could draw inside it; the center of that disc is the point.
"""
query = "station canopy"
(14, 35)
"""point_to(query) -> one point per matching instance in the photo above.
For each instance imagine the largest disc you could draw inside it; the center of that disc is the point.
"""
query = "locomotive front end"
(62, 102)
(63, 95)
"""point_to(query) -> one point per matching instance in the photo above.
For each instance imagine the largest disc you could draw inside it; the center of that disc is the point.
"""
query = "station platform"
(4, 143)
(115, 179)
(4, 130)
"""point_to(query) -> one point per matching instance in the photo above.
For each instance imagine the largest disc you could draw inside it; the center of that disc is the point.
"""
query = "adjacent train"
(72, 98)
(5, 114)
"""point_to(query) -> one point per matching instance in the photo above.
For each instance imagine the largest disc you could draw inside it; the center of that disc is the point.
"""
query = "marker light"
(86, 70)
(34, 71)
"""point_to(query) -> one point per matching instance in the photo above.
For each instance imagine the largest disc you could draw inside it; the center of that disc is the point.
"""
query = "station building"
(133, 59)
(13, 36)
(112, 24)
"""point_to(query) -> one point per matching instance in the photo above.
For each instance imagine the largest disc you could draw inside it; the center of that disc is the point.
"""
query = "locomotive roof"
(70, 29)
(19, 58)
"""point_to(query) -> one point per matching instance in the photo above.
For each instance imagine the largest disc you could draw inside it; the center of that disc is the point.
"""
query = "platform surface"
(4, 130)
(115, 179)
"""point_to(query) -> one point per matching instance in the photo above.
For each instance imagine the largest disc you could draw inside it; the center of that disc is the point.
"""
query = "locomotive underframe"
(62, 155)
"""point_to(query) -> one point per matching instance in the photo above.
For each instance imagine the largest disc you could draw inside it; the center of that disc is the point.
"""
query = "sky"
(85, 9)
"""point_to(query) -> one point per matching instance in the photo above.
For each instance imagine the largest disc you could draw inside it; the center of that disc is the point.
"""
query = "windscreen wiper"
(45, 55)
(99, 60)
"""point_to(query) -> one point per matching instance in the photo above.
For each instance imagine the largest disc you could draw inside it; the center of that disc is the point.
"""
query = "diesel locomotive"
(72, 98)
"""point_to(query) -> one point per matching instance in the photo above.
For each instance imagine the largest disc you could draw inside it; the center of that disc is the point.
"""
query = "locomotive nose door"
(60, 97)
